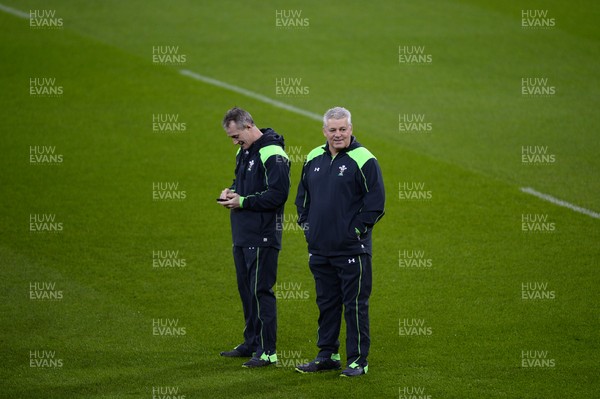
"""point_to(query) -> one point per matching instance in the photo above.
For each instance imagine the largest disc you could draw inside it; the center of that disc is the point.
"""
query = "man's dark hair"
(239, 116)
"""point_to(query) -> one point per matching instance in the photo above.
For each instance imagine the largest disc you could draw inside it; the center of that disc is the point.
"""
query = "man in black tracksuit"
(256, 199)
(340, 198)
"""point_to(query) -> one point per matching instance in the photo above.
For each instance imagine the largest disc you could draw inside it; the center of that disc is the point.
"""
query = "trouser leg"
(355, 274)
(329, 302)
(248, 305)
(262, 265)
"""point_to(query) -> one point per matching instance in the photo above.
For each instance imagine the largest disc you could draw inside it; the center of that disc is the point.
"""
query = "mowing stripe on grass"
(251, 94)
(558, 202)
(314, 116)
(13, 11)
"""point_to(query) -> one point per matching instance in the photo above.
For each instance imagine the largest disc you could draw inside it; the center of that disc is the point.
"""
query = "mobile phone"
(222, 200)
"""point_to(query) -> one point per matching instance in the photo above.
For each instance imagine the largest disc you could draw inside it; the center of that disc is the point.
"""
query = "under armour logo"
(342, 170)
(352, 260)
(317, 169)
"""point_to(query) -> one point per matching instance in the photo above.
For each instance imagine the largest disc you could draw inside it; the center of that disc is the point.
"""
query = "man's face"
(239, 137)
(338, 133)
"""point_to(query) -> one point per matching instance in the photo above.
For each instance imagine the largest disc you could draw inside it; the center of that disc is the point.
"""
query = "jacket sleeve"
(303, 198)
(277, 175)
(237, 165)
(373, 199)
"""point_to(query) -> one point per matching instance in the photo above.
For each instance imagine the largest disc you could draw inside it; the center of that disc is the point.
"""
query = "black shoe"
(235, 352)
(321, 364)
(262, 361)
(355, 370)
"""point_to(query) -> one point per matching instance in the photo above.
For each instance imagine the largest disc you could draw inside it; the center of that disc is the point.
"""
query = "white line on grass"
(251, 94)
(314, 116)
(558, 202)
(14, 12)
(317, 117)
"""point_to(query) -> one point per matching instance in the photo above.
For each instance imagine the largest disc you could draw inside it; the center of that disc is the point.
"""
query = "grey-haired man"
(256, 200)
(340, 198)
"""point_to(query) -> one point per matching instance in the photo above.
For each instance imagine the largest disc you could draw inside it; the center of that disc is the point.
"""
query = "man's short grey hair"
(337, 113)
(239, 116)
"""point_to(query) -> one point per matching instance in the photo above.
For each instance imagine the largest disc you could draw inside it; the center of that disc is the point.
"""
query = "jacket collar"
(353, 144)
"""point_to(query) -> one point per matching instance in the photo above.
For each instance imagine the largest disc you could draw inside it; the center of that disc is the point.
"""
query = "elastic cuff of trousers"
(269, 358)
(354, 365)
(329, 355)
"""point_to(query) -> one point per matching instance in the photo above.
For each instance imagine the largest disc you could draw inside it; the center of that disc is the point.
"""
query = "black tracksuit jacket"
(340, 199)
(262, 179)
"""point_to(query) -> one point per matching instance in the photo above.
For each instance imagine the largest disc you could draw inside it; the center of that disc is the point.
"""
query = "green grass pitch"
(500, 308)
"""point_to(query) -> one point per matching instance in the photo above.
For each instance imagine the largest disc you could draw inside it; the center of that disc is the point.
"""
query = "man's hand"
(233, 199)
(225, 193)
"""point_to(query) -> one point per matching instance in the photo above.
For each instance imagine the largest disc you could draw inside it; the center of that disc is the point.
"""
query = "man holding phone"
(256, 200)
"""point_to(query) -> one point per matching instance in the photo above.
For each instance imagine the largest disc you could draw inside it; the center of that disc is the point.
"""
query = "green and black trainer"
(321, 364)
(238, 351)
(262, 361)
(355, 370)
